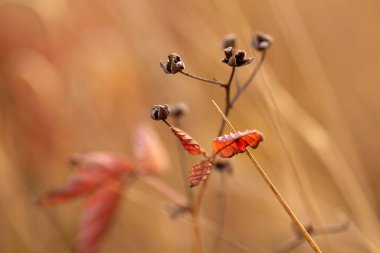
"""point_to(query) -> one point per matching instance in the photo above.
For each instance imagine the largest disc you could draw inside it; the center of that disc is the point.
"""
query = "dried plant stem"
(231, 102)
(183, 164)
(213, 81)
(277, 194)
(197, 245)
(228, 106)
(198, 200)
(242, 88)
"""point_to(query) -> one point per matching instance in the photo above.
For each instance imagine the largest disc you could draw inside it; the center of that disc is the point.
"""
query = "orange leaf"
(231, 144)
(93, 170)
(199, 173)
(187, 142)
(97, 214)
(151, 155)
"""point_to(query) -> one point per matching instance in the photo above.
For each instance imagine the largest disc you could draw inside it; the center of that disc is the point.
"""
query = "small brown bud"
(229, 41)
(235, 58)
(160, 112)
(223, 165)
(173, 65)
(261, 41)
(178, 110)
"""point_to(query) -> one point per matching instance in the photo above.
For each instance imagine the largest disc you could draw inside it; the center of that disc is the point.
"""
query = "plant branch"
(195, 208)
(248, 81)
(198, 200)
(213, 81)
(183, 164)
(277, 194)
(227, 108)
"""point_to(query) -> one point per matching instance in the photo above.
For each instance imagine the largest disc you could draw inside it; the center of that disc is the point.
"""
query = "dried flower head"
(173, 65)
(261, 41)
(160, 112)
(229, 41)
(235, 58)
(178, 110)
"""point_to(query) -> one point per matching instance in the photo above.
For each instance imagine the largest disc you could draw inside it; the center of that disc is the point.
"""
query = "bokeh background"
(79, 76)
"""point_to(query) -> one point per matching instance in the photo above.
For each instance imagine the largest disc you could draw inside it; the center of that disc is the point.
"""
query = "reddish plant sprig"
(100, 177)
(233, 58)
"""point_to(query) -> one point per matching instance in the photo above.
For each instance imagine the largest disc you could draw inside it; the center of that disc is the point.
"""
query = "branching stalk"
(213, 81)
(248, 81)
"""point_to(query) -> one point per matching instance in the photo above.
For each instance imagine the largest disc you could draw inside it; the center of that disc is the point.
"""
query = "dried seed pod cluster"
(173, 65)
(235, 58)
(229, 41)
(261, 41)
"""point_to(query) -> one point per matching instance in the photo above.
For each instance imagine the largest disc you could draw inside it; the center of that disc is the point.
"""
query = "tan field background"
(80, 75)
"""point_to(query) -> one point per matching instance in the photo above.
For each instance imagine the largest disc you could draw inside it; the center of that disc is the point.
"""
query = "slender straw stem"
(277, 194)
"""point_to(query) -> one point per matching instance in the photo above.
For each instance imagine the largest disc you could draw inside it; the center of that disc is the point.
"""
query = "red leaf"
(231, 144)
(151, 155)
(187, 142)
(199, 173)
(93, 170)
(98, 211)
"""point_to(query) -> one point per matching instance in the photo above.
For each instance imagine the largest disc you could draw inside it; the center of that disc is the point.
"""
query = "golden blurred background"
(79, 76)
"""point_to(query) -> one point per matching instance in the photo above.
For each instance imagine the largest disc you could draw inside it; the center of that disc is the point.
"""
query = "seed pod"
(261, 41)
(229, 41)
(235, 58)
(160, 112)
(173, 65)
(178, 110)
